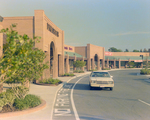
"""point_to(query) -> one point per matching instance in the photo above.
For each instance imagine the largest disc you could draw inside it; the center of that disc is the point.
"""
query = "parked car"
(101, 79)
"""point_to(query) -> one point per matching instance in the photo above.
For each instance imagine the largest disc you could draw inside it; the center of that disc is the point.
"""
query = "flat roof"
(127, 57)
(72, 54)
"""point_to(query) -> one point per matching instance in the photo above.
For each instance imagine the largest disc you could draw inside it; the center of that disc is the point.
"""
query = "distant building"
(61, 56)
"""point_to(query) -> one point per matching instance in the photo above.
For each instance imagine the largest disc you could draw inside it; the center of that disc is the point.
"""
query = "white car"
(101, 79)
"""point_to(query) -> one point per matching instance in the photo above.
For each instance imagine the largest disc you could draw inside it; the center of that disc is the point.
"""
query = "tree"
(126, 50)
(78, 64)
(113, 49)
(20, 61)
(145, 50)
(136, 50)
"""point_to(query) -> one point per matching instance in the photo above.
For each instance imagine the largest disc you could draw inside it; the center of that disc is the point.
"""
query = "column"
(119, 63)
(107, 63)
(103, 63)
(61, 65)
(55, 64)
(141, 64)
(88, 64)
(74, 68)
(93, 64)
(47, 59)
(114, 63)
(67, 64)
(98, 63)
(83, 66)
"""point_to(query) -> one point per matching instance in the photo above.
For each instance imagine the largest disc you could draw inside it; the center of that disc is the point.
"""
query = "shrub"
(106, 69)
(7, 98)
(145, 71)
(32, 100)
(20, 104)
(78, 71)
(50, 81)
(68, 74)
(28, 102)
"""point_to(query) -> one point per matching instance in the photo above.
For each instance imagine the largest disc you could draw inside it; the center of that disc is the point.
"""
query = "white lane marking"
(72, 101)
(144, 102)
(56, 96)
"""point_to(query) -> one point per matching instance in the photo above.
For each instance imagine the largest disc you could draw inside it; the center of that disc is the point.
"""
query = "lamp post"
(142, 60)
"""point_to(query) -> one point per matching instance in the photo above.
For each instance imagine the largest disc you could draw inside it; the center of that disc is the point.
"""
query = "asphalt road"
(129, 100)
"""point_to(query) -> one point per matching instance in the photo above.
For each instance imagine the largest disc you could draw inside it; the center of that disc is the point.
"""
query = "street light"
(1, 19)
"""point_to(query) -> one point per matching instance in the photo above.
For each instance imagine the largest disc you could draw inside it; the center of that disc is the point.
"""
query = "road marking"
(72, 101)
(144, 102)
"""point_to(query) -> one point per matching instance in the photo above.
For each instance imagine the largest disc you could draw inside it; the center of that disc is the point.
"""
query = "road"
(130, 99)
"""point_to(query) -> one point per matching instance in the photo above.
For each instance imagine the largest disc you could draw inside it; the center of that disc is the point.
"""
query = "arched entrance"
(51, 58)
(95, 61)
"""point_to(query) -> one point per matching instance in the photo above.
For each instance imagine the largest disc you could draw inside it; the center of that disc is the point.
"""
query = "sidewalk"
(46, 93)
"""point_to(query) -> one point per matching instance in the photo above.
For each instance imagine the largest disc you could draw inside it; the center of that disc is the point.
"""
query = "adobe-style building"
(60, 56)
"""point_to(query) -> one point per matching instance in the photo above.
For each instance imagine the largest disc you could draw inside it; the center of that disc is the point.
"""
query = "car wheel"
(111, 88)
(91, 88)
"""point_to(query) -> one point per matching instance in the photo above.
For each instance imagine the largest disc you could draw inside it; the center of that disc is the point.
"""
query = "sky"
(123, 24)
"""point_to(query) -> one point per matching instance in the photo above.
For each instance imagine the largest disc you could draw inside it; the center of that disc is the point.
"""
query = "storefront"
(60, 56)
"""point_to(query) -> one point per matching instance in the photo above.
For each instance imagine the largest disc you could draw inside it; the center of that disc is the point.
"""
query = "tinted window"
(100, 74)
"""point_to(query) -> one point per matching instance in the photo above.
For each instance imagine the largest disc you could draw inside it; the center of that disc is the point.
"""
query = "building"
(60, 56)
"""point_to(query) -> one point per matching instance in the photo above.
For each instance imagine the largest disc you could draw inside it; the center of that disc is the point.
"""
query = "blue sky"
(124, 24)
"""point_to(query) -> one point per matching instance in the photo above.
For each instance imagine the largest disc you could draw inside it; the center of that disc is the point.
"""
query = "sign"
(68, 48)
(108, 53)
(138, 60)
(52, 30)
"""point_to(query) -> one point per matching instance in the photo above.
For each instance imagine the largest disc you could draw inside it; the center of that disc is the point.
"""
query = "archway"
(51, 58)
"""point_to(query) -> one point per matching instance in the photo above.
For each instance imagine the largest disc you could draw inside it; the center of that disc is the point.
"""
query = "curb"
(17, 113)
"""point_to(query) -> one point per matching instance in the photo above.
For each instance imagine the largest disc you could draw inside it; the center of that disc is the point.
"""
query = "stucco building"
(60, 56)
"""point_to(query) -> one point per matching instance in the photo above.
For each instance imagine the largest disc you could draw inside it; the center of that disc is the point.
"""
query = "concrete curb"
(17, 113)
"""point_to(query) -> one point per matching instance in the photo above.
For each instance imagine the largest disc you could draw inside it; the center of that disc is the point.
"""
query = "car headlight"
(93, 81)
(110, 82)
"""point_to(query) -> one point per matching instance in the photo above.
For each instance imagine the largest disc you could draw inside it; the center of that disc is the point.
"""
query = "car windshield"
(100, 74)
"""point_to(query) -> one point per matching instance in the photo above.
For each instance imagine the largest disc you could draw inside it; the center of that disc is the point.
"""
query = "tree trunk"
(1, 87)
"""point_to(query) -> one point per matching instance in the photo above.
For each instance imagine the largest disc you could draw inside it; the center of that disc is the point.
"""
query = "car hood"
(102, 78)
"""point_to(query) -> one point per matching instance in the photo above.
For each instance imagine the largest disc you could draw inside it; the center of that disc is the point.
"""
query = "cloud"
(130, 33)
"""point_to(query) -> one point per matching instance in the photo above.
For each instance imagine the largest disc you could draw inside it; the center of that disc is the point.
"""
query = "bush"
(68, 74)
(50, 81)
(78, 71)
(92, 70)
(106, 69)
(32, 100)
(7, 98)
(145, 71)
(28, 102)
(20, 104)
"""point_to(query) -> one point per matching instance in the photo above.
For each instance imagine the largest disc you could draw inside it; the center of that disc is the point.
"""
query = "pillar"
(98, 63)
(67, 64)
(107, 63)
(119, 63)
(88, 64)
(55, 64)
(74, 68)
(141, 64)
(114, 63)
(47, 59)
(103, 63)
(61, 65)
(83, 66)
(93, 67)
